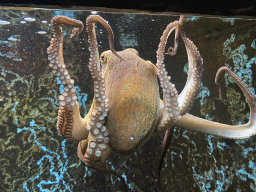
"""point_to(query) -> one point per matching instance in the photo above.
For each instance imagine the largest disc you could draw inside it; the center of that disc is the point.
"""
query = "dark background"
(225, 8)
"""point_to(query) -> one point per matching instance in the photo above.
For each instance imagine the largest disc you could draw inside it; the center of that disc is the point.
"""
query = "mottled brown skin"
(134, 107)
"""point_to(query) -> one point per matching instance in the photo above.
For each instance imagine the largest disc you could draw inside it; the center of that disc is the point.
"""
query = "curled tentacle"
(92, 160)
(63, 20)
(84, 154)
(187, 96)
(173, 50)
(95, 18)
(174, 105)
(69, 124)
(247, 92)
(217, 82)
(219, 86)
(171, 111)
(228, 131)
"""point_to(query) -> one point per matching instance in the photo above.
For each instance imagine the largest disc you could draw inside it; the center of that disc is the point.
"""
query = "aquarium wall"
(35, 157)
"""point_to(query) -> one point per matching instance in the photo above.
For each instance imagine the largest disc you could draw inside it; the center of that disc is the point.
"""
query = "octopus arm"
(177, 105)
(95, 150)
(90, 28)
(195, 71)
(173, 50)
(169, 109)
(69, 124)
(193, 123)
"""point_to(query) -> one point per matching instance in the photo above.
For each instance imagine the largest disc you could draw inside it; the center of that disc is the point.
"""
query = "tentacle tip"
(74, 33)
(171, 51)
(223, 101)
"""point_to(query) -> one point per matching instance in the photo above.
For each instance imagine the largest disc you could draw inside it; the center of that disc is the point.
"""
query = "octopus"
(127, 109)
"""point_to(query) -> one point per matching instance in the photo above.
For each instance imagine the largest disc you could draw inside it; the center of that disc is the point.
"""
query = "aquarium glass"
(35, 157)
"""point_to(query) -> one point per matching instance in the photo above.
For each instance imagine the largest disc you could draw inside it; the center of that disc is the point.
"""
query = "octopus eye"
(103, 59)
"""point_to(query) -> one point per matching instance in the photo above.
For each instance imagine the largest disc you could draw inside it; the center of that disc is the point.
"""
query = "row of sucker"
(68, 97)
(196, 75)
(100, 109)
(67, 100)
(170, 94)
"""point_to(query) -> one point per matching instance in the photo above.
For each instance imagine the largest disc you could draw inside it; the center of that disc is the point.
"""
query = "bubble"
(29, 19)
(41, 32)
